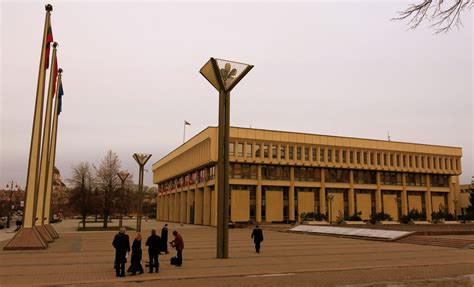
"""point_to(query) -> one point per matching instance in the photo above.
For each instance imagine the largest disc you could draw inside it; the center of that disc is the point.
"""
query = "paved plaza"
(86, 258)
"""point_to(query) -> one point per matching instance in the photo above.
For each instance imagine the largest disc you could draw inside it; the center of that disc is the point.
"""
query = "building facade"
(466, 191)
(275, 176)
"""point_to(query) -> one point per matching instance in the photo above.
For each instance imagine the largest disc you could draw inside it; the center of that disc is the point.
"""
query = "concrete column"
(198, 206)
(351, 193)
(291, 195)
(322, 193)
(258, 195)
(189, 204)
(183, 208)
(378, 195)
(451, 198)
(279, 157)
(404, 195)
(428, 208)
(206, 206)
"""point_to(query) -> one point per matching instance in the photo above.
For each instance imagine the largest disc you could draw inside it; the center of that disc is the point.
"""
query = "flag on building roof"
(186, 123)
(49, 40)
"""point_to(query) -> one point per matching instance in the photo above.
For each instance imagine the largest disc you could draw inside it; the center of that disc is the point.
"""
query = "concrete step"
(437, 241)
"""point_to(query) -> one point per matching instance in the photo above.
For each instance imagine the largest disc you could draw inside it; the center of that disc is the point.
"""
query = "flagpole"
(52, 159)
(27, 237)
(184, 133)
(43, 173)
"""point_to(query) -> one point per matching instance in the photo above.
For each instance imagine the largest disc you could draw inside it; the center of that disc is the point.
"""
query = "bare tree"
(82, 197)
(108, 182)
(443, 14)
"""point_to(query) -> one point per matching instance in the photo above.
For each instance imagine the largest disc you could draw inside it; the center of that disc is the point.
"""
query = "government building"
(275, 176)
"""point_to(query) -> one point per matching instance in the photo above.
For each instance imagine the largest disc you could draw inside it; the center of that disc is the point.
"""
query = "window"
(385, 159)
(398, 160)
(410, 163)
(283, 152)
(265, 151)
(307, 174)
(337, 175)
(429, 162)
(274, 151)
(314, 154)
(298, 153)
(451, 163)
(344, 160)
(240, 149)
(365, 177)
(365, 157)
(248, 150)
(231, 148)
(306, 154)
(336, 156)
(372, 158)
(329, 155)
(321, 154)
(391, 160)
(257, 150)
(358, 157)
(416, 161)
(378, 158)
(422, 162)
(391, 178)
(445, 163)
(246, 171)
(290, 151)
(275, 172)
(351, 156)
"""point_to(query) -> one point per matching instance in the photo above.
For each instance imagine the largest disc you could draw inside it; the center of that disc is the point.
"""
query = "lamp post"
(224, 76)
(123, 177)
(141, 159)
(330, 197)
(10, 206)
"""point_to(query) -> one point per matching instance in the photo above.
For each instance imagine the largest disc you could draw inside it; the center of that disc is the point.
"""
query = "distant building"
(59, 196)
(275, 176)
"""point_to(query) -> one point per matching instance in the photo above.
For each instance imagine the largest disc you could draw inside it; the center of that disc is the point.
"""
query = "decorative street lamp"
(10, 205)
(141, 159)
(224, 76)
(123, 177)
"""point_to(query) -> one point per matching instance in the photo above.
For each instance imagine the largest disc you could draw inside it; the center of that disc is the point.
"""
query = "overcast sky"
(131, 76)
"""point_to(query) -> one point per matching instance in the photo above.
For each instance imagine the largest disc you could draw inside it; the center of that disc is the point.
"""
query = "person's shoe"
(117, 275)
(122, 275)
(156, 271)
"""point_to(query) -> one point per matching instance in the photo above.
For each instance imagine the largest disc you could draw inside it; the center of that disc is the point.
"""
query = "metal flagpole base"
(44, 233)
(26, 239)
(51, 231)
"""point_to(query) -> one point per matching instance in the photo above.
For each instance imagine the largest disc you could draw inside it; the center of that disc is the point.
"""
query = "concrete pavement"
(286, 260)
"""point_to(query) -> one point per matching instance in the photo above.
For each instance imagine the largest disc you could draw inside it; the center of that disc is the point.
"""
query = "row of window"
(340, 155)
(310, 174)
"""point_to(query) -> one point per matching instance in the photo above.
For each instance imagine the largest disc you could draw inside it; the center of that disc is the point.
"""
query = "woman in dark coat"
(135, 265)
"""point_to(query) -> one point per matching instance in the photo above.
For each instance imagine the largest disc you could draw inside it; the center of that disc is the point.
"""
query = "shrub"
(374, 218)
(354, 217)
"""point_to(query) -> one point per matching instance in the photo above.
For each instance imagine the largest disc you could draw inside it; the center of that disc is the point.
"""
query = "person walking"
(257, 235)
(154, 246)
(121, 244)
(135, 265)
(164, 239)
(178, 244)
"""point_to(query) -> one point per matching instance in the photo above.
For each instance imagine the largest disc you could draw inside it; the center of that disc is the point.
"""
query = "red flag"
(55, 75)
(49, 40)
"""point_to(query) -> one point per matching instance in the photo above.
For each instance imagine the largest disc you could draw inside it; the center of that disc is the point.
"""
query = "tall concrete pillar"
(206, 209)
(404, 195)
(198, 206)
(322, 193)
(351, 193)
(258, 195)
(378, 195)
(291, 195)
(182, 208)
(451, 198)
(428, 208)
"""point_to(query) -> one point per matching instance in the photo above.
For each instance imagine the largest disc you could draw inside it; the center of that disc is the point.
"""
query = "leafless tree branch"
(446, 14)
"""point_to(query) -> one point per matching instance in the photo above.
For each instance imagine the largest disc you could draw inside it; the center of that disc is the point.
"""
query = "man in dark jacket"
(121, 244)
(257, 235)
(164, 239)
(178, 243)
(154, 245)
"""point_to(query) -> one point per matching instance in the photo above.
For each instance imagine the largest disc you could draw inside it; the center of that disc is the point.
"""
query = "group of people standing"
(156, 245)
